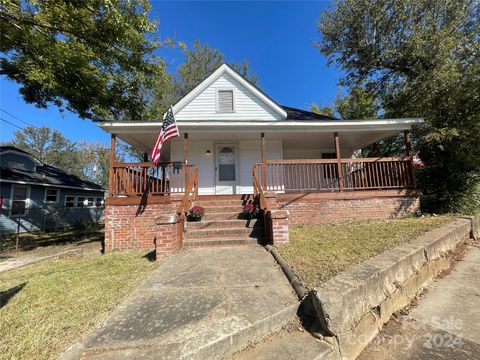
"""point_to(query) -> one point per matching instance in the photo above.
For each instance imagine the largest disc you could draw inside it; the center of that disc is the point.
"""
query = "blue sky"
(276, 37)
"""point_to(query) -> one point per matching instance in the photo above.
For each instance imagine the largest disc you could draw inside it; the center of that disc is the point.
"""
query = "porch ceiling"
(353, 134)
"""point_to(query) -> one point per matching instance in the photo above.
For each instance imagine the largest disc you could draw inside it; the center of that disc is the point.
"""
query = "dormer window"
(225, 101)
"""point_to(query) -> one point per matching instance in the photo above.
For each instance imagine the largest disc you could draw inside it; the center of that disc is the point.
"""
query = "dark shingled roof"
(45, 174)
(297, 114)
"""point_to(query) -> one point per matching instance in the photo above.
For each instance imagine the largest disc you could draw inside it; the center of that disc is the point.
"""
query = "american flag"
(168, 131)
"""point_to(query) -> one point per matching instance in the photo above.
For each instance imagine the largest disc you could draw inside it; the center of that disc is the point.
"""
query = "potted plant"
(251, 211)
(196, 213)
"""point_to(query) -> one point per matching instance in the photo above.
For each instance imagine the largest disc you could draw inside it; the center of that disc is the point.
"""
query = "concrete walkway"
(444, 325)
(199, 304)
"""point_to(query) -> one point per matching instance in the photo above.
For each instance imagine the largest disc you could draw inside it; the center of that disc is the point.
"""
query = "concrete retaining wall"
(354, 305)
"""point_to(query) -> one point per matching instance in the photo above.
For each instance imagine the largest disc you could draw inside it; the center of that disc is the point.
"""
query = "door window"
(226, 164)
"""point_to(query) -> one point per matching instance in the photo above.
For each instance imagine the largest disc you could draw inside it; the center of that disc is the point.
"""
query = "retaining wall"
(354, 305)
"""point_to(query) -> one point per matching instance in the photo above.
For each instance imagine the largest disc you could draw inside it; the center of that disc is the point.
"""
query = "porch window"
(225, 101)
(19, 200)
(226, 164)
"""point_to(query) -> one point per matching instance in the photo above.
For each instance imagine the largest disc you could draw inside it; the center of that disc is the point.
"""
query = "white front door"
(226, 169)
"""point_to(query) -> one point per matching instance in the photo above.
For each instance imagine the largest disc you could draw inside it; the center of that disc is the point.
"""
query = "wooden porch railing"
(258, 191)
(322, 174)
(191, 194)
(138, 179)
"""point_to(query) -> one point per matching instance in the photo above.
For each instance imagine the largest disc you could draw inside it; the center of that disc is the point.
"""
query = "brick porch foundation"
(154, 225)
(132, 225)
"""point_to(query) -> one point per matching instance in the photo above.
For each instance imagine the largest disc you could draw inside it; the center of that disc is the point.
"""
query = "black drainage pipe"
(297, 285)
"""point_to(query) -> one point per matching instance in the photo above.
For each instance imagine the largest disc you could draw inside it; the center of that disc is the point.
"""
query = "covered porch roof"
(354, 134)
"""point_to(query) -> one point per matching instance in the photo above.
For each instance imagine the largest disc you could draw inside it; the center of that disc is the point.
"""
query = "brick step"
(225, 197)
(213, 203)
(221, 242)
(222, 216)
(222, 223)
(224, 232)
(226, 208)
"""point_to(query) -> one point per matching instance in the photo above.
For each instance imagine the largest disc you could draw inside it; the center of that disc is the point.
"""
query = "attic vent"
(225, 101)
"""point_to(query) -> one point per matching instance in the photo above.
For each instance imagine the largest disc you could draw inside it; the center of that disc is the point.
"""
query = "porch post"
(145, 157)
(408, 146)
(339, 160)
(185, 159)
(264, 162)
(113, 142)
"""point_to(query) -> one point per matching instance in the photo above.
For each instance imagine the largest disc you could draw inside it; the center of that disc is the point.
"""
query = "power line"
(16, 117)
(8, 122)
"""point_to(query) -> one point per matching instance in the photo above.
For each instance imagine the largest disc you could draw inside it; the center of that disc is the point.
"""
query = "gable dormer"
(227, 96)
(13, 158)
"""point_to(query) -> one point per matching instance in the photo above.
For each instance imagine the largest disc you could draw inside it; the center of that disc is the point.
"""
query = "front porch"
(147, 205)
(231, 170)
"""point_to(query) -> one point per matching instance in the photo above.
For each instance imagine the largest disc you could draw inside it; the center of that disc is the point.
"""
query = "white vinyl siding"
(247, 106)
(249, 153)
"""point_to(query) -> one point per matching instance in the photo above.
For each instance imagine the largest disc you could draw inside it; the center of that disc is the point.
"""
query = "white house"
(236, 141)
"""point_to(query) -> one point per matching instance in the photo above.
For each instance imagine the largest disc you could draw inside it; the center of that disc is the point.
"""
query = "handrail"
(142, 178)
(258, 191)
(350, 174)
(191, 194)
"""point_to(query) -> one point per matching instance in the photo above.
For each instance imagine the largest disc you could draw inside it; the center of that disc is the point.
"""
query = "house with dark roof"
(36, 196)
(236, 144)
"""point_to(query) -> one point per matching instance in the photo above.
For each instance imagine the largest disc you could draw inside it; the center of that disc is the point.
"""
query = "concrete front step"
(223, 223)
(222, 241)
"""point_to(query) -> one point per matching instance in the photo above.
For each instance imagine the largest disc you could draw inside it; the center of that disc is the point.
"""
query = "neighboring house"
(238, 143)
(37, 197)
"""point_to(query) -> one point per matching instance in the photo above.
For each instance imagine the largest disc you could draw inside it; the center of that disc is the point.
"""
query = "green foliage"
(420, 59)
(325, 110)
(93, 57)
(357, 104)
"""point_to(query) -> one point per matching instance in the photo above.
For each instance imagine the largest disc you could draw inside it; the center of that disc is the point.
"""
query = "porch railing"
(323, 174)
(138, 179)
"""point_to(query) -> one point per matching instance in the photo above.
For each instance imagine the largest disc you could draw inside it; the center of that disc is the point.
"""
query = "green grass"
(317, 253)
(63, 300)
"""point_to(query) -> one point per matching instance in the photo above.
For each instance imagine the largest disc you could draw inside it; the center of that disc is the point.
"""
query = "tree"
(324, 110)
(95, 160)
(420, 59)
(50, 147)
(92, 57)
(200, 62)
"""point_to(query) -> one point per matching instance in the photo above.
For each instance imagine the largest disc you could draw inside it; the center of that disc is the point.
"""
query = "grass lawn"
(51, 305)
(317, 253)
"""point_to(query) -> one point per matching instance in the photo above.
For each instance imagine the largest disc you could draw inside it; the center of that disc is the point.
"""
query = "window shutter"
(225, 101)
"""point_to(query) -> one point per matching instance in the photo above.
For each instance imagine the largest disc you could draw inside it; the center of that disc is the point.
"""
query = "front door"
(226, 173)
